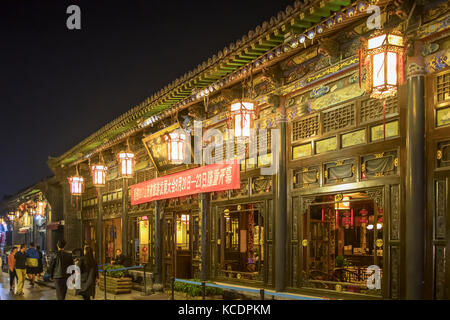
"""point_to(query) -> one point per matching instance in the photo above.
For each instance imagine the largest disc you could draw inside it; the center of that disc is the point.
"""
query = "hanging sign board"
(214, 177)
(156, 147)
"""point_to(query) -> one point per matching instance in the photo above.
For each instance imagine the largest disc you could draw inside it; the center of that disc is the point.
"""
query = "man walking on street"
(32, 263)
(21, 268)
(12, 268)
(58, 270)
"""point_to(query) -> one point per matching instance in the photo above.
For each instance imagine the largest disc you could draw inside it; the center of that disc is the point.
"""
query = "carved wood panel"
(395, 272)
(440, 272)
(440, 221)
(440, 204)
(395, 212)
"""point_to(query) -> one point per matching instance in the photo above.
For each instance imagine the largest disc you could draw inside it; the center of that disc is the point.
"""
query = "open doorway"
(343, 243)
(242, 242)
(179, 244)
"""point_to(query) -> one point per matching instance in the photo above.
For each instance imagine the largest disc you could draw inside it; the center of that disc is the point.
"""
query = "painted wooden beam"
(340, 2)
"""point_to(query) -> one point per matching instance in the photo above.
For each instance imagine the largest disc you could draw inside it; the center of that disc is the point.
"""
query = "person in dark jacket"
(21, 268)
(40, 262)
(58, 270)
(89, 274)
(119, 258)
(12, 268)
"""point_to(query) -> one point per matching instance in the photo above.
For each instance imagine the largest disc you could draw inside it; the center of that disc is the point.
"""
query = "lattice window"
(266, 139)
(305, 128)
(372, 109)
(140, 176)
(149, 174)
(339, 118)
(443, 87)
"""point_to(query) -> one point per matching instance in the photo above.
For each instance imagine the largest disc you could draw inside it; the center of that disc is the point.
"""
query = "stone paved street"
(47, 292)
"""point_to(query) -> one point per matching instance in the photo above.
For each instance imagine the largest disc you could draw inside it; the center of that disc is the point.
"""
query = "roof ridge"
(251, 35)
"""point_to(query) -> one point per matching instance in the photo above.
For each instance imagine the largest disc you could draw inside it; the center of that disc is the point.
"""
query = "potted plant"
(192, 290)
(116, 281)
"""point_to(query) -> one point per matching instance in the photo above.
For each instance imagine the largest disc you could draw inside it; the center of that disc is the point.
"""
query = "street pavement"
(47, 292)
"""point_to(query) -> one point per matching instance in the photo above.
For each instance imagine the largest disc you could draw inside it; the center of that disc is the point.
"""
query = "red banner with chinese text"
(214, 177)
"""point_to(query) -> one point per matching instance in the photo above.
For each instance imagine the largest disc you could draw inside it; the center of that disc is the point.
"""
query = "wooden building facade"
(344, 205)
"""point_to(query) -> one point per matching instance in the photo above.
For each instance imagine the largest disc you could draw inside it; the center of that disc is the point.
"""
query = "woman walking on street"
(32, 263)
(89, 274)
(58, 269)
(12, 268)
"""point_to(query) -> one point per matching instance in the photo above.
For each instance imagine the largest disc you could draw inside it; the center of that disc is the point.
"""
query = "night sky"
(58, 86)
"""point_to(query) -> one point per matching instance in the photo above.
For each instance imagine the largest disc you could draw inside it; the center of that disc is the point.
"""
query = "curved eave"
(251, 47)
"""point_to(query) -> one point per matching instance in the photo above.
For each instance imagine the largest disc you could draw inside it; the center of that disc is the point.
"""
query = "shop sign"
(215, 177)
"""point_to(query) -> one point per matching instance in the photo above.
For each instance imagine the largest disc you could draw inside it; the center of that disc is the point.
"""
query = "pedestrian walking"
(32, 263)
(58, 270)
(40, 262)
(21, 268)
(12, 269)
(89, 274)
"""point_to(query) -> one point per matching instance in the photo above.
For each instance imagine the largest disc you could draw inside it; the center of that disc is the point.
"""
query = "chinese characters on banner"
(215, 177)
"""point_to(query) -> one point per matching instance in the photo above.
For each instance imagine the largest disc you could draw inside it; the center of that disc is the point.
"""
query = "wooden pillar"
(125, 217)
(158, 244)
(415, 177)
(205, 197)
(281, 200)
(99, 226)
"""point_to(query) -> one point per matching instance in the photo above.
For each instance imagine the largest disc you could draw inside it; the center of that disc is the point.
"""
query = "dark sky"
(59, 86)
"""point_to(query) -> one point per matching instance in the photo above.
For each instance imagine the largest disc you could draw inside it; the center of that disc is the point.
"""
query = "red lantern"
(126, 162)
(76, 185)
(385, 59)
(98, 172)
(346, 220)
(176, 141)
(363, 213)
(40, 210)
(242, 114)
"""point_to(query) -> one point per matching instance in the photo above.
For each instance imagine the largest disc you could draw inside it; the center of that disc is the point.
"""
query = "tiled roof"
(213, 73)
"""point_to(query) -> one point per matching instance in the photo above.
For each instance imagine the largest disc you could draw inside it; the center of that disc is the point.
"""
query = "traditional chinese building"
(34, 215)
(357, 202)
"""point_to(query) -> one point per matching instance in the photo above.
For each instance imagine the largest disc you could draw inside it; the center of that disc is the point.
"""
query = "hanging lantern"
(346, 220)
(342, 205)
(98, 172)
(363, 212)
(384, 60)
(40, 209)
(126, 161)
(242, 114)
(176, 141)
(76, 185)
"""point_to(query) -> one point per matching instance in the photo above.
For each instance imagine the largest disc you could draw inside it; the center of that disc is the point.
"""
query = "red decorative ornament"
(363, 212)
